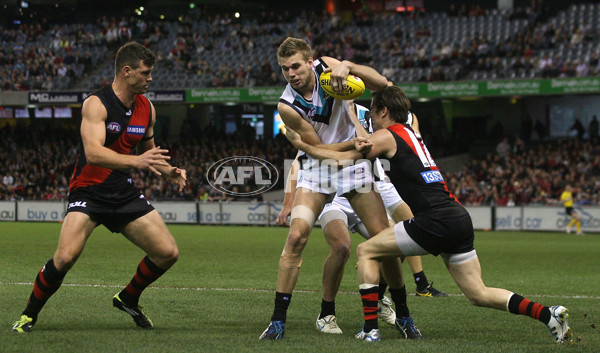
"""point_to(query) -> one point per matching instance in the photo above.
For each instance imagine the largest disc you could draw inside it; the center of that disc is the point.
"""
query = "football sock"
(327, 308)
(522, 306)
(399, 299)
(369, 295)
(46, 283)
(282, 302)
(578, 226)
(421, 281)
(573, 221)
(382, 288)
(147, 272)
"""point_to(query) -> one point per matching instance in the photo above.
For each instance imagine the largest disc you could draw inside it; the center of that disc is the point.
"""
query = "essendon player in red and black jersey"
(115, 120)
(125, 128)
(440, 224)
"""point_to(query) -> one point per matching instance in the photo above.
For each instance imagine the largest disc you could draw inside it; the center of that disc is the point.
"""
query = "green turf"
(219, 296)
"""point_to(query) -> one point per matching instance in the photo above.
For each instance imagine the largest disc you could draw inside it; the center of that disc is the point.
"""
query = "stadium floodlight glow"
(162, 17)
(192, 5)
(237, 15)
(141, 8)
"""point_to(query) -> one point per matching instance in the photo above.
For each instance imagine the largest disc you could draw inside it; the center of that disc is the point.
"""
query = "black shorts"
(569, 210)
(113, 215)
(451, 234)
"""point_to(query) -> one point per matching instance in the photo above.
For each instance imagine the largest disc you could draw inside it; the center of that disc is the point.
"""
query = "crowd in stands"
(531, 174)
(37, 165)
(45, 56)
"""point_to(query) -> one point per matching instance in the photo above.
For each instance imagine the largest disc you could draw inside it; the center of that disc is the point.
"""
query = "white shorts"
(329, 180)
(389, 195)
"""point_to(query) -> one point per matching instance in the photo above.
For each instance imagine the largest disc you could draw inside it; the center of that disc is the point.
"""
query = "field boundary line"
(263, 290)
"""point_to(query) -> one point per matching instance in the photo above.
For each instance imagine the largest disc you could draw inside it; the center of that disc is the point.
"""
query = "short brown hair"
(131, 53)
(291, 46)
(395, 100)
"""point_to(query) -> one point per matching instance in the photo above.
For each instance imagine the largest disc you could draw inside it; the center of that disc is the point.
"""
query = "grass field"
(219, 296)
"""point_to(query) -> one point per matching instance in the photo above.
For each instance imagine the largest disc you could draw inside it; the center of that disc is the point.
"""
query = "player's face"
(377, 117)
(139, 78)
(298, 72)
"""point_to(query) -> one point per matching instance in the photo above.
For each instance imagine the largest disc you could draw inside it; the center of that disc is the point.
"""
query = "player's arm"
(293, 120)
(341, 69)
(360, 130)
(290, 193)
(176, 175)
(415, 124)
(380, 143)
(93, 135)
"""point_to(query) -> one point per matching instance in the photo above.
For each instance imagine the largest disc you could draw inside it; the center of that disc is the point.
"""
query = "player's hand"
(282, 218)
(178, 176)
(292, 136)
(338, 76)
(362, 145)
(152, 158)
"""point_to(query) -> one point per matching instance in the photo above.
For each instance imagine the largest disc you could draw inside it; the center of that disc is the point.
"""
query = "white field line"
(268, 290)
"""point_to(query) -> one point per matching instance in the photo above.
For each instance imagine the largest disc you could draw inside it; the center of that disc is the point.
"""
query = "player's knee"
(64, 260)
(296, 240)
(341, 250)
(362, 251)
(478, 299)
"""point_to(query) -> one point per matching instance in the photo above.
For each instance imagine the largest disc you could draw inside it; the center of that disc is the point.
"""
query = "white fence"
(544, 218)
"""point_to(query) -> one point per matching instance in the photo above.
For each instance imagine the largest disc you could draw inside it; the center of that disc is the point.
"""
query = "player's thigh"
(306, 207)
(380, 246)
(76, 229)
(402, 213)
(150, 233)
(370, 209)
(467, 276)
(337, 234)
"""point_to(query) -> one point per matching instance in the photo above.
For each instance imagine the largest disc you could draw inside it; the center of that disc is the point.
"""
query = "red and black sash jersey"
(125, 127)
(416, 176)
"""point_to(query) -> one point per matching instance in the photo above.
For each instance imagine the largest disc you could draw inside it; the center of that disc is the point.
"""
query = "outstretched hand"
(152, 158)
(178, 176)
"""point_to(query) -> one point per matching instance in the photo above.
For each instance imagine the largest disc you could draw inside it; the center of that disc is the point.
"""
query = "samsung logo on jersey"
(136, 130)
(113, 127)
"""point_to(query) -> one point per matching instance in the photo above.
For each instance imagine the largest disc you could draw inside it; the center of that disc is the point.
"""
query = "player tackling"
(440, 226)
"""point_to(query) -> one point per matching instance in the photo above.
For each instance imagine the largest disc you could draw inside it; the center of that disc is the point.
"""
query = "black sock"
(399, 299)
(382, 288)
(327, 308)
(421, 280)
(282, 302)
(46, 283)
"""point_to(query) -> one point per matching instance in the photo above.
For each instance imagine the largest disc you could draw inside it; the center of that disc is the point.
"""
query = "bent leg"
(75, 231)
(467, 276)
(340, 244)
(150, 234)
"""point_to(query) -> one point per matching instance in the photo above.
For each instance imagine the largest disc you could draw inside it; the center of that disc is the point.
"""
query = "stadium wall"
(532, 218)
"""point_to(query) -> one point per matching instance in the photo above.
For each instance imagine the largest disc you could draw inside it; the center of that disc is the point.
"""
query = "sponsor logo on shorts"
(136, 130)
(242, 175)
(113, 127)
(432, 176)
(77, 204)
